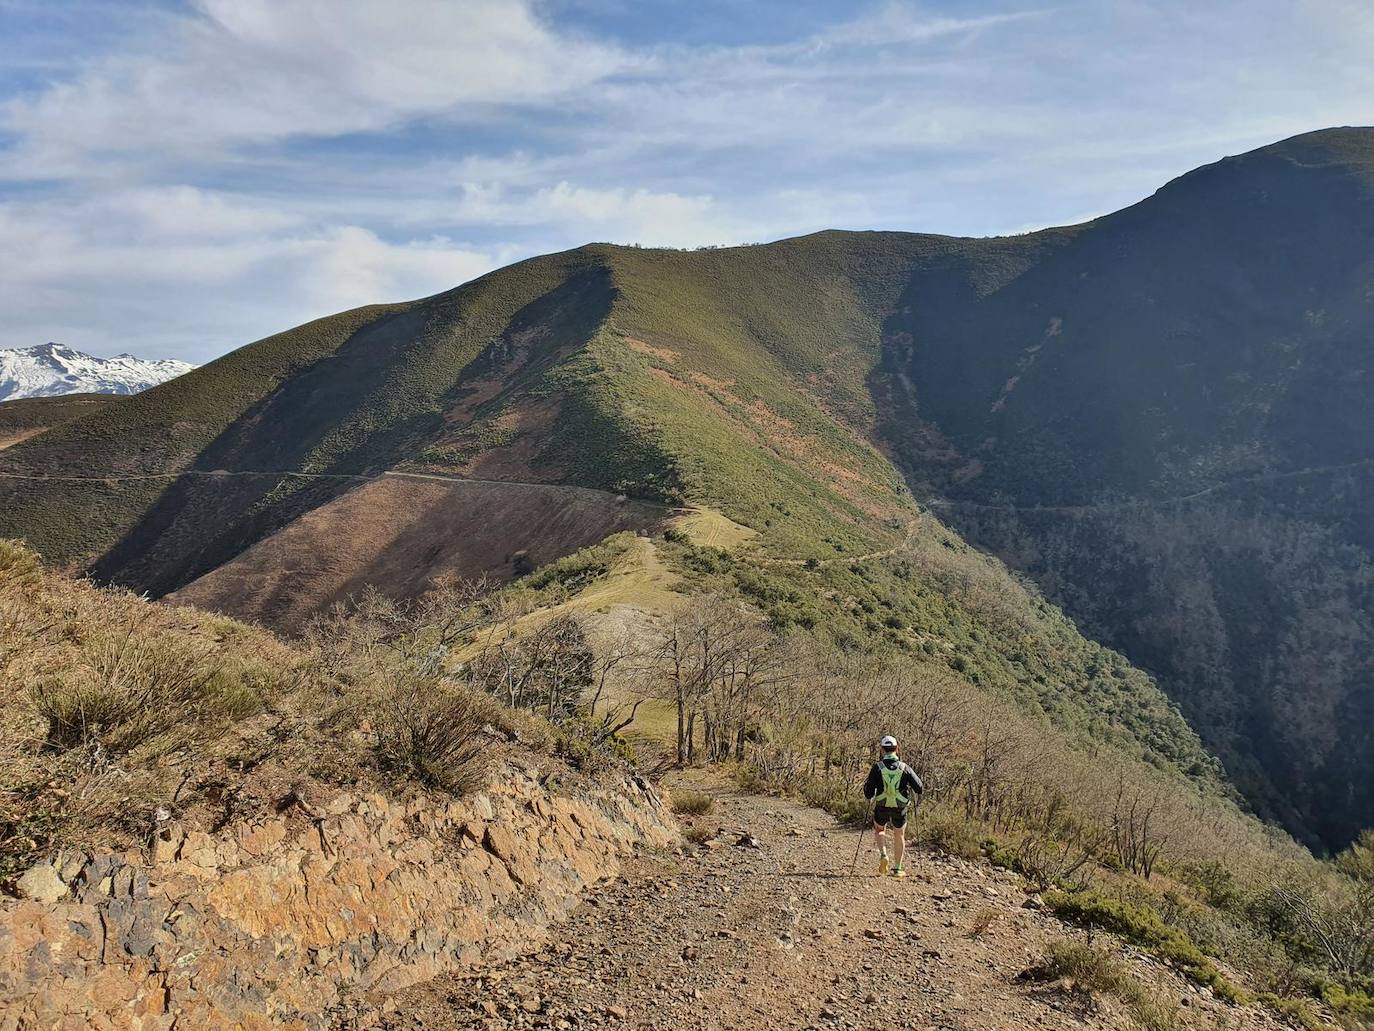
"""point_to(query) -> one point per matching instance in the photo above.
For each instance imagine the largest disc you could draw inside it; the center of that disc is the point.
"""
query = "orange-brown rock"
(269, 924)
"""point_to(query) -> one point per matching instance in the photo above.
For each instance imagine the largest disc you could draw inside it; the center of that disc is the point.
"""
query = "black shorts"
(894, 816)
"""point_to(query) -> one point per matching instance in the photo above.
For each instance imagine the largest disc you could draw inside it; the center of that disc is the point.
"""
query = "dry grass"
(699, 833)
(124, 689)
(111, 701)
(441, 733)
(982, 921)
(708, 528)
(692, 803)
(1093, 969)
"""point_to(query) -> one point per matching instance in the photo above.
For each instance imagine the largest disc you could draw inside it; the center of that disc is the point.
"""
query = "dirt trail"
(1147, 503)
(912, 527)
(781, 936)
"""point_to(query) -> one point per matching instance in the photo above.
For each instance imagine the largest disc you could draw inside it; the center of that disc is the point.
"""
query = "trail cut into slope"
(778, 934)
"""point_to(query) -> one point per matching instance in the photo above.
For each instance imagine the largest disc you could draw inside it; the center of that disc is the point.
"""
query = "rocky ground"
(765, 927)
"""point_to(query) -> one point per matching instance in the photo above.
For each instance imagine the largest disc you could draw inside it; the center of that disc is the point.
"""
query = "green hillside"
(1161, 416)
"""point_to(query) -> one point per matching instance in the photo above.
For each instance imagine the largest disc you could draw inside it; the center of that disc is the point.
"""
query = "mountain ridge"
(811, 388)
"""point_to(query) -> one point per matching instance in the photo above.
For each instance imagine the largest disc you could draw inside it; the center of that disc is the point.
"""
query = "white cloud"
(473, 132)
(190, 273)
(255, 71)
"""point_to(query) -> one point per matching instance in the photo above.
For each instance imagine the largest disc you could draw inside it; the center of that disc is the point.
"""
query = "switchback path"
(1147, 503)
(221, 474)
(911, 527)
(782, 937)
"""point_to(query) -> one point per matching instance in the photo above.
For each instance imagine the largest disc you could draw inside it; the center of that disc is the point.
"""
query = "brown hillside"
(398, 532)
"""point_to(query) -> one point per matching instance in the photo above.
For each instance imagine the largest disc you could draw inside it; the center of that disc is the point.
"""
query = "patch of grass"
(1303, 1011)
(699, 833)
(840, 799)
(982, 920)
(946, 829)
(1094, 969)
(692, 803)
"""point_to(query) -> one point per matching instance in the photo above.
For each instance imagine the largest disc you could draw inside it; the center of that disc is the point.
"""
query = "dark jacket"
(911, 785)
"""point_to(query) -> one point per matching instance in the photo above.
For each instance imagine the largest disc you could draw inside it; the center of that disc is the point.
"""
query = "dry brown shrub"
(982, 920)
(692, 803)
(123, 687)
(439, 732)
(1094, 969)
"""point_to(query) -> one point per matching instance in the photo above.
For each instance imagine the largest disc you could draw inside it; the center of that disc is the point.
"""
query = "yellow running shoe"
(899, 872)
(882, 866)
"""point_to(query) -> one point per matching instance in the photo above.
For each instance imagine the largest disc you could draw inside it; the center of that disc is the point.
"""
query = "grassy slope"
(30, 413)
(734, 378)
(742, 378)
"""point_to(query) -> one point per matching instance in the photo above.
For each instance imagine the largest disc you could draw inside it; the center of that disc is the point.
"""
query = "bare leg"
(898, 844)
(880, 836)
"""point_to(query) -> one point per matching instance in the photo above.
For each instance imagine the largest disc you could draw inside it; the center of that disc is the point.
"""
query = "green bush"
(1145, 928)
(1301, 1010)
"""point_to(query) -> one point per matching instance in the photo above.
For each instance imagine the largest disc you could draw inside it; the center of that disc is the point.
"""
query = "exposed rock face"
(272, 924)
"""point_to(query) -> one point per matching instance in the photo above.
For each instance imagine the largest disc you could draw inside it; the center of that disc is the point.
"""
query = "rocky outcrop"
(275, 923)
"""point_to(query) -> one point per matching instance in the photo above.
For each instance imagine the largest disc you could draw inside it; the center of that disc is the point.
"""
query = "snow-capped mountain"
(53, 369)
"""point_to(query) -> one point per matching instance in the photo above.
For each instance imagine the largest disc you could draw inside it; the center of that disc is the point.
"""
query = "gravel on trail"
(777, 934)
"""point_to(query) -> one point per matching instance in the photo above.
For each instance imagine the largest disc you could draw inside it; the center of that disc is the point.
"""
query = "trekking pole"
(857, 849)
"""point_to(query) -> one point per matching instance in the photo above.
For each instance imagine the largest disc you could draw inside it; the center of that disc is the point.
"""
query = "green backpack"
(892, 796)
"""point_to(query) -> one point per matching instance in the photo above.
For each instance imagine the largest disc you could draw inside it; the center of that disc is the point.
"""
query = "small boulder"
(41, 883)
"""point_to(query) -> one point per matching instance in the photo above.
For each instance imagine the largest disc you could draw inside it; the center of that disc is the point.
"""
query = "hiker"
(893, 783)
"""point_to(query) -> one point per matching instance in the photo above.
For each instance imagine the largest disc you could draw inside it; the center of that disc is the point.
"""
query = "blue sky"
(180, 177)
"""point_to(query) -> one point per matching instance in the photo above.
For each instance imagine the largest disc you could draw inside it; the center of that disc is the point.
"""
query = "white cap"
(888, 742)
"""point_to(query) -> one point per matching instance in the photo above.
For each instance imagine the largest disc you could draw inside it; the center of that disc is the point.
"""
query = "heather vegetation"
(1169, 505)
(122, 708)
(118, 709)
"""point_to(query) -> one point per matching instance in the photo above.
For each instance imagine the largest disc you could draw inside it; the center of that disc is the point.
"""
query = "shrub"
(837, 797)
(124, 688)
(1301, 1010)
(946, 829)
(982, 920)
(1145, 928)
(692, 803)
(586, 746)
(436, 731)
(699, 833)
(1096, 970)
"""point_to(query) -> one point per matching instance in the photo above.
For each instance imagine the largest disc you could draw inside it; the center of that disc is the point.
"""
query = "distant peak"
(53, 368)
